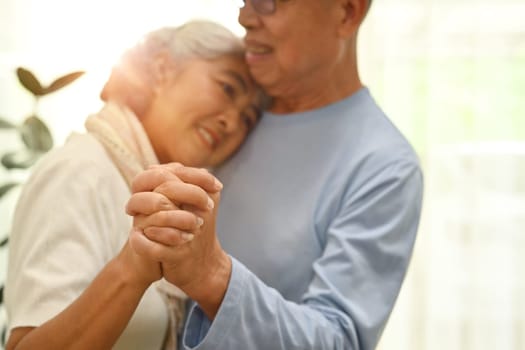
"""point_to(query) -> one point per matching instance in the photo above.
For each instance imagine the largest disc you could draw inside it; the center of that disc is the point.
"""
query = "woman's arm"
(64, 284)
(55, 252)
(97, 318)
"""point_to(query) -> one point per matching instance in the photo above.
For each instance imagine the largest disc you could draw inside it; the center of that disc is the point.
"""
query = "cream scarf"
(125, 140)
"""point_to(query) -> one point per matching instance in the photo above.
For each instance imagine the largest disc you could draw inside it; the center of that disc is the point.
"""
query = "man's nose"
(248, 18)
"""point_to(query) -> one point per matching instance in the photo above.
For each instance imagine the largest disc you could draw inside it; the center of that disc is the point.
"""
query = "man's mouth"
(258, 49)
(255, 49)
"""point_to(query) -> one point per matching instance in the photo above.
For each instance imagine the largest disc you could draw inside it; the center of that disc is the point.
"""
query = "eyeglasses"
(262, 7)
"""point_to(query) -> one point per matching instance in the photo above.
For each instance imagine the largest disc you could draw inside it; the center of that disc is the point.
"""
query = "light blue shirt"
(319, 213)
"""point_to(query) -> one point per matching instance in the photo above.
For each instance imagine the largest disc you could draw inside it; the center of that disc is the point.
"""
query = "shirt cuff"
(200, 332)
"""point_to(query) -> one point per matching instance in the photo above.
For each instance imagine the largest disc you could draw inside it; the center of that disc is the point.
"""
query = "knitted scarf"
(122, 135)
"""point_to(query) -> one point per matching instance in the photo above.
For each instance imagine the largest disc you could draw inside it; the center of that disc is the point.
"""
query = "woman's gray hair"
(198, 39)
(195, 39)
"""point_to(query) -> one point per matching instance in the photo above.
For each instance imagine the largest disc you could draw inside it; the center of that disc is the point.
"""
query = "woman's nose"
(229, 120)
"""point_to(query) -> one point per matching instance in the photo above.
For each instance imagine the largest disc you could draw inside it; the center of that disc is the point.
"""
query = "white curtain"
(465, 288)
(451, 74)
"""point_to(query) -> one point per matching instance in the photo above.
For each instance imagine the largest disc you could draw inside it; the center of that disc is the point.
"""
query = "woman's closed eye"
(229, 90)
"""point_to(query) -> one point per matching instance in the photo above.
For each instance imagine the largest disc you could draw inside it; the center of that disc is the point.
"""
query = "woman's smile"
(210, 138)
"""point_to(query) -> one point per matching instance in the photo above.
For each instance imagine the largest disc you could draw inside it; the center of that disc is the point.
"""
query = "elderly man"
(319, 210)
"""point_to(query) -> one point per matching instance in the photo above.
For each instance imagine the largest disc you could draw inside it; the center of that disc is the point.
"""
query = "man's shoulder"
(366, 130)
(369, 140)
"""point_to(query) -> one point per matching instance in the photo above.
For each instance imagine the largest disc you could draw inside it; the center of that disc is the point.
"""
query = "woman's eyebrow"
(238, 78)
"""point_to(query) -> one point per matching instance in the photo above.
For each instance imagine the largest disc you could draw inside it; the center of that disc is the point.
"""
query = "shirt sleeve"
(355, 281)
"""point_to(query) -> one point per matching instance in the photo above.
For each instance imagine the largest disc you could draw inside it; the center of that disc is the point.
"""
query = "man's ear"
(352, 13)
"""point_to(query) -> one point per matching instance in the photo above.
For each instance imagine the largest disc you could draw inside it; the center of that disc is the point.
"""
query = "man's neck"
(318, 90)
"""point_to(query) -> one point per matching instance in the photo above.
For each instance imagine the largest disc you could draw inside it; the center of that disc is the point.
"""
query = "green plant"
(33, 131)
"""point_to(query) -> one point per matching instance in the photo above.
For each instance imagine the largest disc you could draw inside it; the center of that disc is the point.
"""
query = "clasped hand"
(174, 210)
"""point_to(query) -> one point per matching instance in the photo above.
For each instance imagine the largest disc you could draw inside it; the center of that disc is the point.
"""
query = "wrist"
(209, 291)
(123, 265)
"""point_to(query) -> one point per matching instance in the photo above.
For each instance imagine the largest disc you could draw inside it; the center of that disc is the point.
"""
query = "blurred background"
(450, 74)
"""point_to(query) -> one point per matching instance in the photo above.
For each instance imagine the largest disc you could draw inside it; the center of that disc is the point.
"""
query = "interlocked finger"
(153, 250)
(151, 178)
(198, 176)
(181, 193)
(167, 235)
(178, 219)
(146, 203)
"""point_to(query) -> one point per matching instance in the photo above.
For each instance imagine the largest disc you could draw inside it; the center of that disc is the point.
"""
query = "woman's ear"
(352, 13)
(163, 70)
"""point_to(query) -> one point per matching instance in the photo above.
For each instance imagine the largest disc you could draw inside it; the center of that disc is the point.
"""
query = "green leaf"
(29, 81)
(20, 160)
(5, 188)
(3, 243)
(5, 124)
(36, 135)
(63, 81)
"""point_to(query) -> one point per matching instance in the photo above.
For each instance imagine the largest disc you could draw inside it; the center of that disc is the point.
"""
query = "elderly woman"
(181, 95)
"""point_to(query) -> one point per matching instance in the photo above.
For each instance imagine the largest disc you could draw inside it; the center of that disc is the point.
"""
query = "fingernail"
(186, 237)
(210, 203)
(200, 221)
(218, 185)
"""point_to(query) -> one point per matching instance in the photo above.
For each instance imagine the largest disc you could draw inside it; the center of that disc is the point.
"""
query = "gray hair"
(198, 39)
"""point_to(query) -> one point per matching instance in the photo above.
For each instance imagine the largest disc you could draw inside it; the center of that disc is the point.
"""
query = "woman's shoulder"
(81, 156)
(80, 165)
